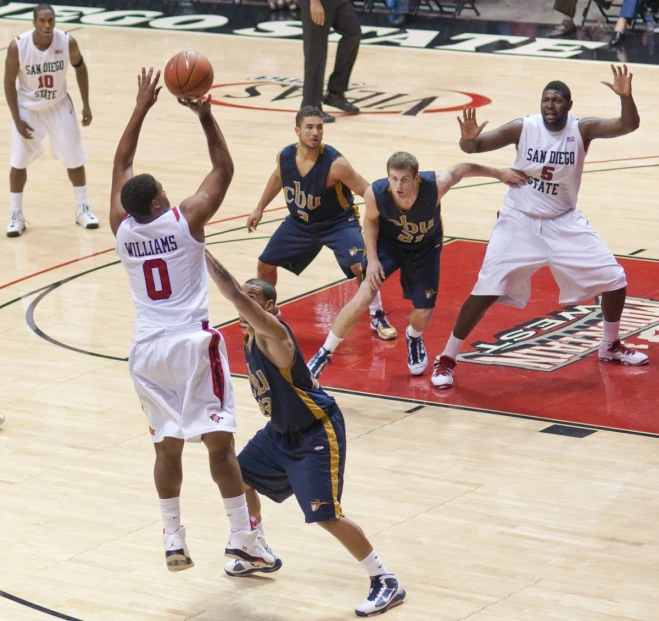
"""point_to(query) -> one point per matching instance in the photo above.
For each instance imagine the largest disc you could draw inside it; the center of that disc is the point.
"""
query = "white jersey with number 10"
(166, 268)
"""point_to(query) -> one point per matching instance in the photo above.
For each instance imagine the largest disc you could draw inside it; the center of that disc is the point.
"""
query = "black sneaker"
(327, 118)
(340, 102)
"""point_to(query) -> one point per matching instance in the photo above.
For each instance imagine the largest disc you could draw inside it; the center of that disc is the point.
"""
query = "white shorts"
(183, 382)
(59, 122)
(580, 262)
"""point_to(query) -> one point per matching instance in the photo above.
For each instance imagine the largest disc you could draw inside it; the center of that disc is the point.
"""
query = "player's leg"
(209, 415)
(514, 253)
(262, 474)
(168, 476)
(419, 279)
(292, 247)
(343, 235)
(244, 543)
(23, 152)
(148, 370)
(347, 319)
(66, 145)
(584, 267)
(385, 591)
(317, 480)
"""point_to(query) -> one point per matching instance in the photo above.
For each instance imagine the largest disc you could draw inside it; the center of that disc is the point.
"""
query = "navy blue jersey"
(419, 224)
(291, 398)
(308, 198)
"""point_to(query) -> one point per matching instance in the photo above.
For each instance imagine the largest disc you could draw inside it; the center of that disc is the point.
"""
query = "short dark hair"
(42, 7)
(138, 194)
(269, 292)
(561, 87)
(306, 112)
(401, 160)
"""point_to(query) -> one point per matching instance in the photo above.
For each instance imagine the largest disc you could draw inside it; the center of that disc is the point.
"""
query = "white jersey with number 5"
(554, 163)
(167, 273)
(42, 74)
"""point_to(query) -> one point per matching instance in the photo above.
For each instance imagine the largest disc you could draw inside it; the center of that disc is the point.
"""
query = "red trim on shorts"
(177, 215)
(217, 372)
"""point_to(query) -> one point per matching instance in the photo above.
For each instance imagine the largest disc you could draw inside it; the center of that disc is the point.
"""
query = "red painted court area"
(538, 361)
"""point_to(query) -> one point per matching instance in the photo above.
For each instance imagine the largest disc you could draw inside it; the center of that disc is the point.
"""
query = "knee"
(356, 269)
(266, 271)
(330, 526)
(220, 446)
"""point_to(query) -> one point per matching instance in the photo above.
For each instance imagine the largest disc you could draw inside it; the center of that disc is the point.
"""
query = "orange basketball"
(189, 75)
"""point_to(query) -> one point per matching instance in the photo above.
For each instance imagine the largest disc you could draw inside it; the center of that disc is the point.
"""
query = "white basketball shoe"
(176, 552)
(617, 352)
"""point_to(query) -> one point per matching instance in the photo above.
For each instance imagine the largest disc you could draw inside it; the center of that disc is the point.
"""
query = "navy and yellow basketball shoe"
(318, 363)
(381, 325)
(385, 593)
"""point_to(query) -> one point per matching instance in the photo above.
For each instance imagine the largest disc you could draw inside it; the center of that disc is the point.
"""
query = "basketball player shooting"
(178, 363)
(539, 224)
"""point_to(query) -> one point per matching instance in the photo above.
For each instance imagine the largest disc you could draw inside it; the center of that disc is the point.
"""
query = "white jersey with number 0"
(554, 163)
(42, 74)
(167, 273)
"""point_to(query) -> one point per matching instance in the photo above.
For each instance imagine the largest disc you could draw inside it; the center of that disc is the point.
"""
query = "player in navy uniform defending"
(318, 183)
(301, 450)
(403, 230)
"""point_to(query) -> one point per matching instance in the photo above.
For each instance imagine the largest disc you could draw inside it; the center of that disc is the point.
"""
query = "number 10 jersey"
(42, 74)
(166, 269)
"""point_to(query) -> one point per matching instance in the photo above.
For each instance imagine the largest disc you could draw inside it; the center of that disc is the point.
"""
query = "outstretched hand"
(622, 81)
(199, 106)
(147, 88)
(469, 127)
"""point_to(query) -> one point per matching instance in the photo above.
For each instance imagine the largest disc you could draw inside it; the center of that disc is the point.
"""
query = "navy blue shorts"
(419, 269)
(309, 464)
(296, 244)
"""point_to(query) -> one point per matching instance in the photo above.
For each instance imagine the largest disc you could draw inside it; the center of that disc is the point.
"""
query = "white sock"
(80, 192)
(411, 332)
(16, 201)
(238, 513)
(332, 342)
(373, 565)
(611, 332)
(453, 347)
(376, 304)
(170, 509)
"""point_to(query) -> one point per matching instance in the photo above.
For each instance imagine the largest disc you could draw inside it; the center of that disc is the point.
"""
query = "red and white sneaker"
(176, 552)
(442, 376)
(619, 353)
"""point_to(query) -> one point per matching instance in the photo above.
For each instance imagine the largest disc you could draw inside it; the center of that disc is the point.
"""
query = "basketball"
(189, 75)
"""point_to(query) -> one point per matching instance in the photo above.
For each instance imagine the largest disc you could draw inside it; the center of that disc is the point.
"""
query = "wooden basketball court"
(481, 516)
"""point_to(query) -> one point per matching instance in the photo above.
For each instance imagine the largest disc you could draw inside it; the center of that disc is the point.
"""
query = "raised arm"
(375, 275)
(263, 322)
(272, 188)
(202, 206)
(82, 77)
(12, 67)
(448, 177)
(122, 170)
(343, 171)
(627, 122)
(472, 141)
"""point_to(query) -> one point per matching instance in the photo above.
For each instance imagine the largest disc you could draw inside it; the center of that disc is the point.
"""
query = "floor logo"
(562, 338)
(277, 94)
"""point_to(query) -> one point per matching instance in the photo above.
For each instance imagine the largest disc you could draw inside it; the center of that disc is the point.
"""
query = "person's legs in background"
(627, 13)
